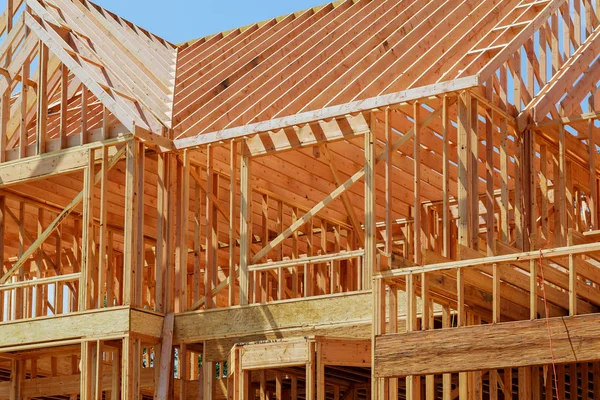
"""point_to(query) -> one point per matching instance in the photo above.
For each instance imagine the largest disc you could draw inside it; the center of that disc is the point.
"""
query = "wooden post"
(98, 370)
(311, 372)
(16, 373)
(262, 384)
(87, 378)
(161, 231)
(182, 230)
(294, 389)
(64, 98)
(525, 389)
(212, 245)
(530, 179)
(413, 384)
(245, 227)
(562, 185)
(278, 385)
(447, 378)
(463, 168)
(508, 383)
(83, 134)
(389, 172)
(115, 388)
(544, 202)
(42, 98)
(208, 377)
(129, 388)
(370, 228)
(103, 233)
(164, 364)
(472, 171)
(321, 389)
(87, 234)
(131, 214)
(378, 328)
(497, 298)
(489, 169)
(593, 198)
(232, 219)
(465, 211)
(183, 371)
(3, 232)
(197, 216)
(504, 202)
(446, 233)
(25, 69)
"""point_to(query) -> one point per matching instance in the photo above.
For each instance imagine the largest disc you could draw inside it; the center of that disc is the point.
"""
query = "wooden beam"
(245, 228)
(462, 349)
(289, 315)
(345, 198)
(261, 356)
(64, 213)
(327, 113)
(57, 45)
(166, 354)
(50, 164)
(499, 259)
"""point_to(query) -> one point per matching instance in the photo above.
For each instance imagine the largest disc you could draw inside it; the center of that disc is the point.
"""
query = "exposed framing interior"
(371, 199)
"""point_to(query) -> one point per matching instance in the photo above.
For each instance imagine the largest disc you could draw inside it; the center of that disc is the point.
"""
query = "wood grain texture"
(472, 348)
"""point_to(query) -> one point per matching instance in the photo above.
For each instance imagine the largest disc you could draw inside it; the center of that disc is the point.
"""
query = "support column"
(85, 281)
(232, 220)
(130, 368)
(593, 200)
(134, 213)
(208, 377)
(464, 210)
(212, 244)
(311, 372)
(463, 169)
(104, 242)
(163, 242)
(42, 99)
(181, 243)
(245, 227)
(378, 387)
(16, 373)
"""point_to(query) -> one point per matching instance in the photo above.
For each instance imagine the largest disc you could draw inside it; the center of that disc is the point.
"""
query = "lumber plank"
(483, 347)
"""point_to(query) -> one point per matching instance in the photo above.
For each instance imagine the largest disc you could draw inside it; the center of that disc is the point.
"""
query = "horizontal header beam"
(484, 347)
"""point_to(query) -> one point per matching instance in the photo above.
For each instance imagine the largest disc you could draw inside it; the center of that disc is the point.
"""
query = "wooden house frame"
(413, 183)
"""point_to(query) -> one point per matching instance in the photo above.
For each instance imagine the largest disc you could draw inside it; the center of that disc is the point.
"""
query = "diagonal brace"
(57, 221)
(340, 190)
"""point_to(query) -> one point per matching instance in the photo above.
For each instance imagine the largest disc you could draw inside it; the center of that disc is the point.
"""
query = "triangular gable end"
(43, 47)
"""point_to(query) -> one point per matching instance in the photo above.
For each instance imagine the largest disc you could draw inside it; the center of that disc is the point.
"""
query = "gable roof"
(343, 52)
(117, 61)
(365, 52)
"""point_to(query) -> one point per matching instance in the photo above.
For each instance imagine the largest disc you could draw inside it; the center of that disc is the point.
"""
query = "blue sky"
(182, 20)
